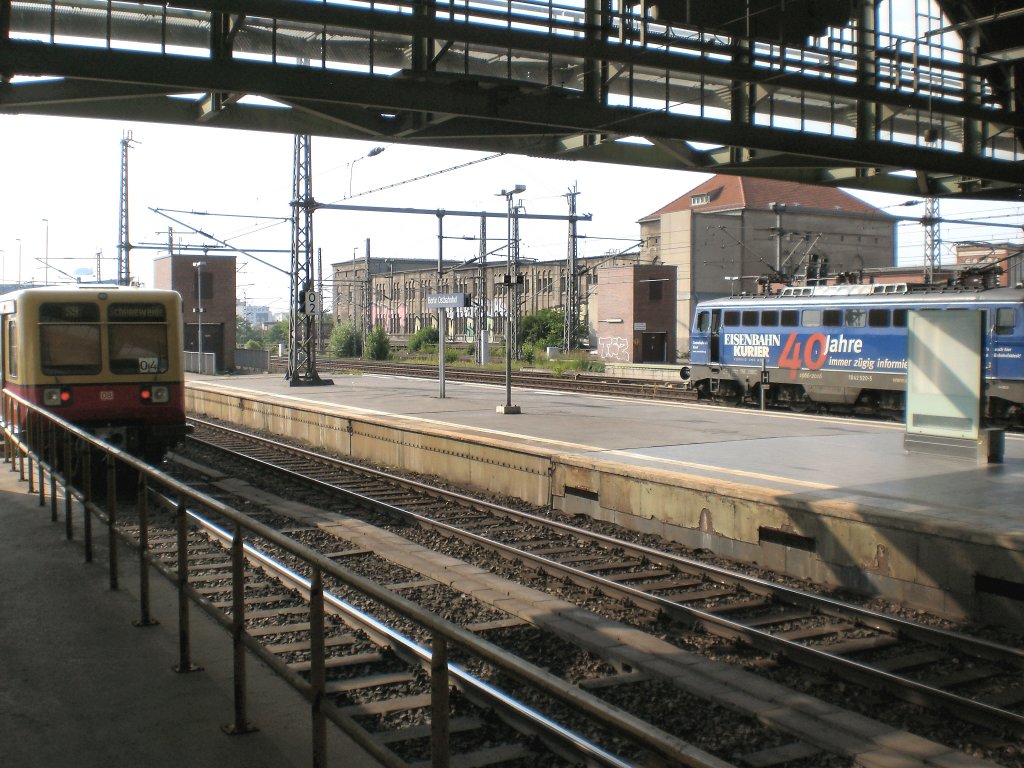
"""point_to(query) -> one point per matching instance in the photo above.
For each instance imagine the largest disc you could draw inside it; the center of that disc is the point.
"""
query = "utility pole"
(571, 322)
(124, 246)
(303, 296)
(513, 270)
(483, 353)
(368, 303)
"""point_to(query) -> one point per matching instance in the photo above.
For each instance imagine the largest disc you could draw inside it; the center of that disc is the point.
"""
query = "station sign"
(448, 300)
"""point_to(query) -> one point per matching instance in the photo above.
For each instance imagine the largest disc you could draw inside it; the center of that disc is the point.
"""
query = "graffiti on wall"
(614, 348)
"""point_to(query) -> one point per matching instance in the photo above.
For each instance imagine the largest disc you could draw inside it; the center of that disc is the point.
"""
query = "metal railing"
(39, 445)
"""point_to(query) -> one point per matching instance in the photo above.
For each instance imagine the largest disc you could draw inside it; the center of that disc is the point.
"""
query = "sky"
(61, 190)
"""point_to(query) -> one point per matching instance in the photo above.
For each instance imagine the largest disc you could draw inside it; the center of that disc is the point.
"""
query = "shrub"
(528, 353)
(426, 335)
(378, 345)
(345, 341)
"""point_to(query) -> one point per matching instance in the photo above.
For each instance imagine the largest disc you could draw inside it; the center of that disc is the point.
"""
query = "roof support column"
(973, 137)
(595, 71)
(867, 70)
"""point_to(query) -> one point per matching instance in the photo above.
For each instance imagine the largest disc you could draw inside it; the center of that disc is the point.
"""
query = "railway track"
(571, 382)
(978, 681)
(379, 677)
(587, 383)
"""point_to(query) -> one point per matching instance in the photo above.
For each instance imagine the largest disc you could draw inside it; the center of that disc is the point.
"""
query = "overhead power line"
(424, 176)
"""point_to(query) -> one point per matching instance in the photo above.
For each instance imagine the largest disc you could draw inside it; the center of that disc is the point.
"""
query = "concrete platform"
(836, 500)
(81, 687)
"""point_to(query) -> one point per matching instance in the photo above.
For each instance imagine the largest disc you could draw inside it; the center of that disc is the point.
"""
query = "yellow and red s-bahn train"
(108, 359)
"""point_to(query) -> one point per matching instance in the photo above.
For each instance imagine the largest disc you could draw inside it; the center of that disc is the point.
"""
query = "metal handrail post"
(317, 667)
(184, 637)
(112, 518)
(39, 446)
(51, 454)
(29, 429)
(7, 423)
(142, 506)
(68, 493)
(439, 725)
(22, 435)
(241, 724)
(87, 514)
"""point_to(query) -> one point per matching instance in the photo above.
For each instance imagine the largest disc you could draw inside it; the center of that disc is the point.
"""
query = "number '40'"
(815, 352)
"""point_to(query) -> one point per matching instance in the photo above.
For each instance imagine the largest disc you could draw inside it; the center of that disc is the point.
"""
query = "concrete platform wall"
(490, 466)
(835, 543)
(828, 542)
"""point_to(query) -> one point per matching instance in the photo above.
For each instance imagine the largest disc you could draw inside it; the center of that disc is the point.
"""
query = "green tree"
(245, 332)
(543, 328)
(378, 345)
(345, 341)
(276, 334)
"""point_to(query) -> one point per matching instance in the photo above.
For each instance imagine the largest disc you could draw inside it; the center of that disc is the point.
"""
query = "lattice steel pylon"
(571, 322)
(932, 238)
(303, 296)
(124, 245)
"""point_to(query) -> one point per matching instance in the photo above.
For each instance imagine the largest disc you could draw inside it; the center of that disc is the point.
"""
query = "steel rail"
(906, 688)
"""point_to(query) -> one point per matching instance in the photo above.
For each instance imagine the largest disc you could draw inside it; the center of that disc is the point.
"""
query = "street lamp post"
(19, 262)
(199, 309)
(372, 153)
(512, 300)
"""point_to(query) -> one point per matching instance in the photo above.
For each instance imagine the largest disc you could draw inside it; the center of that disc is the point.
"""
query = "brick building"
(211, 288)
(636, 320)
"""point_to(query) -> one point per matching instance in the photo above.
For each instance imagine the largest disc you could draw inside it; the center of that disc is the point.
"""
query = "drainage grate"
(786, 539)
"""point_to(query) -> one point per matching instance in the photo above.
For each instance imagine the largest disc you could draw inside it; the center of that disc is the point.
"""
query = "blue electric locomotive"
(844, 345)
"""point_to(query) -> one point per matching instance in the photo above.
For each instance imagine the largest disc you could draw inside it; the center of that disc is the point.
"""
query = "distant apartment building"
(258, 316)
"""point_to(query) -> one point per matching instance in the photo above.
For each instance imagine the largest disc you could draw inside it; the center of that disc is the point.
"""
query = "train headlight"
(56, 396)
(155, 394)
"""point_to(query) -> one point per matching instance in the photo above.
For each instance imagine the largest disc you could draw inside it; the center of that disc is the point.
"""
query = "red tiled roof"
(730, 193)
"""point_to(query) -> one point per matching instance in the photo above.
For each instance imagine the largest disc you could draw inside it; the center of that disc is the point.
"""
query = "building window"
(702, 199)
(654, 290)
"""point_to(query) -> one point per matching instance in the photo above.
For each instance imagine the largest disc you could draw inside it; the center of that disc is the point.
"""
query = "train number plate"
(106, 394)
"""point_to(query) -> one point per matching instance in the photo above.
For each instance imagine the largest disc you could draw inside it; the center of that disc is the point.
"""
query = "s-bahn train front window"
(137, 338)
(69, 338)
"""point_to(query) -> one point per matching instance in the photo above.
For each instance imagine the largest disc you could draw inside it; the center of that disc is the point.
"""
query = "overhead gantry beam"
(570, 88)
